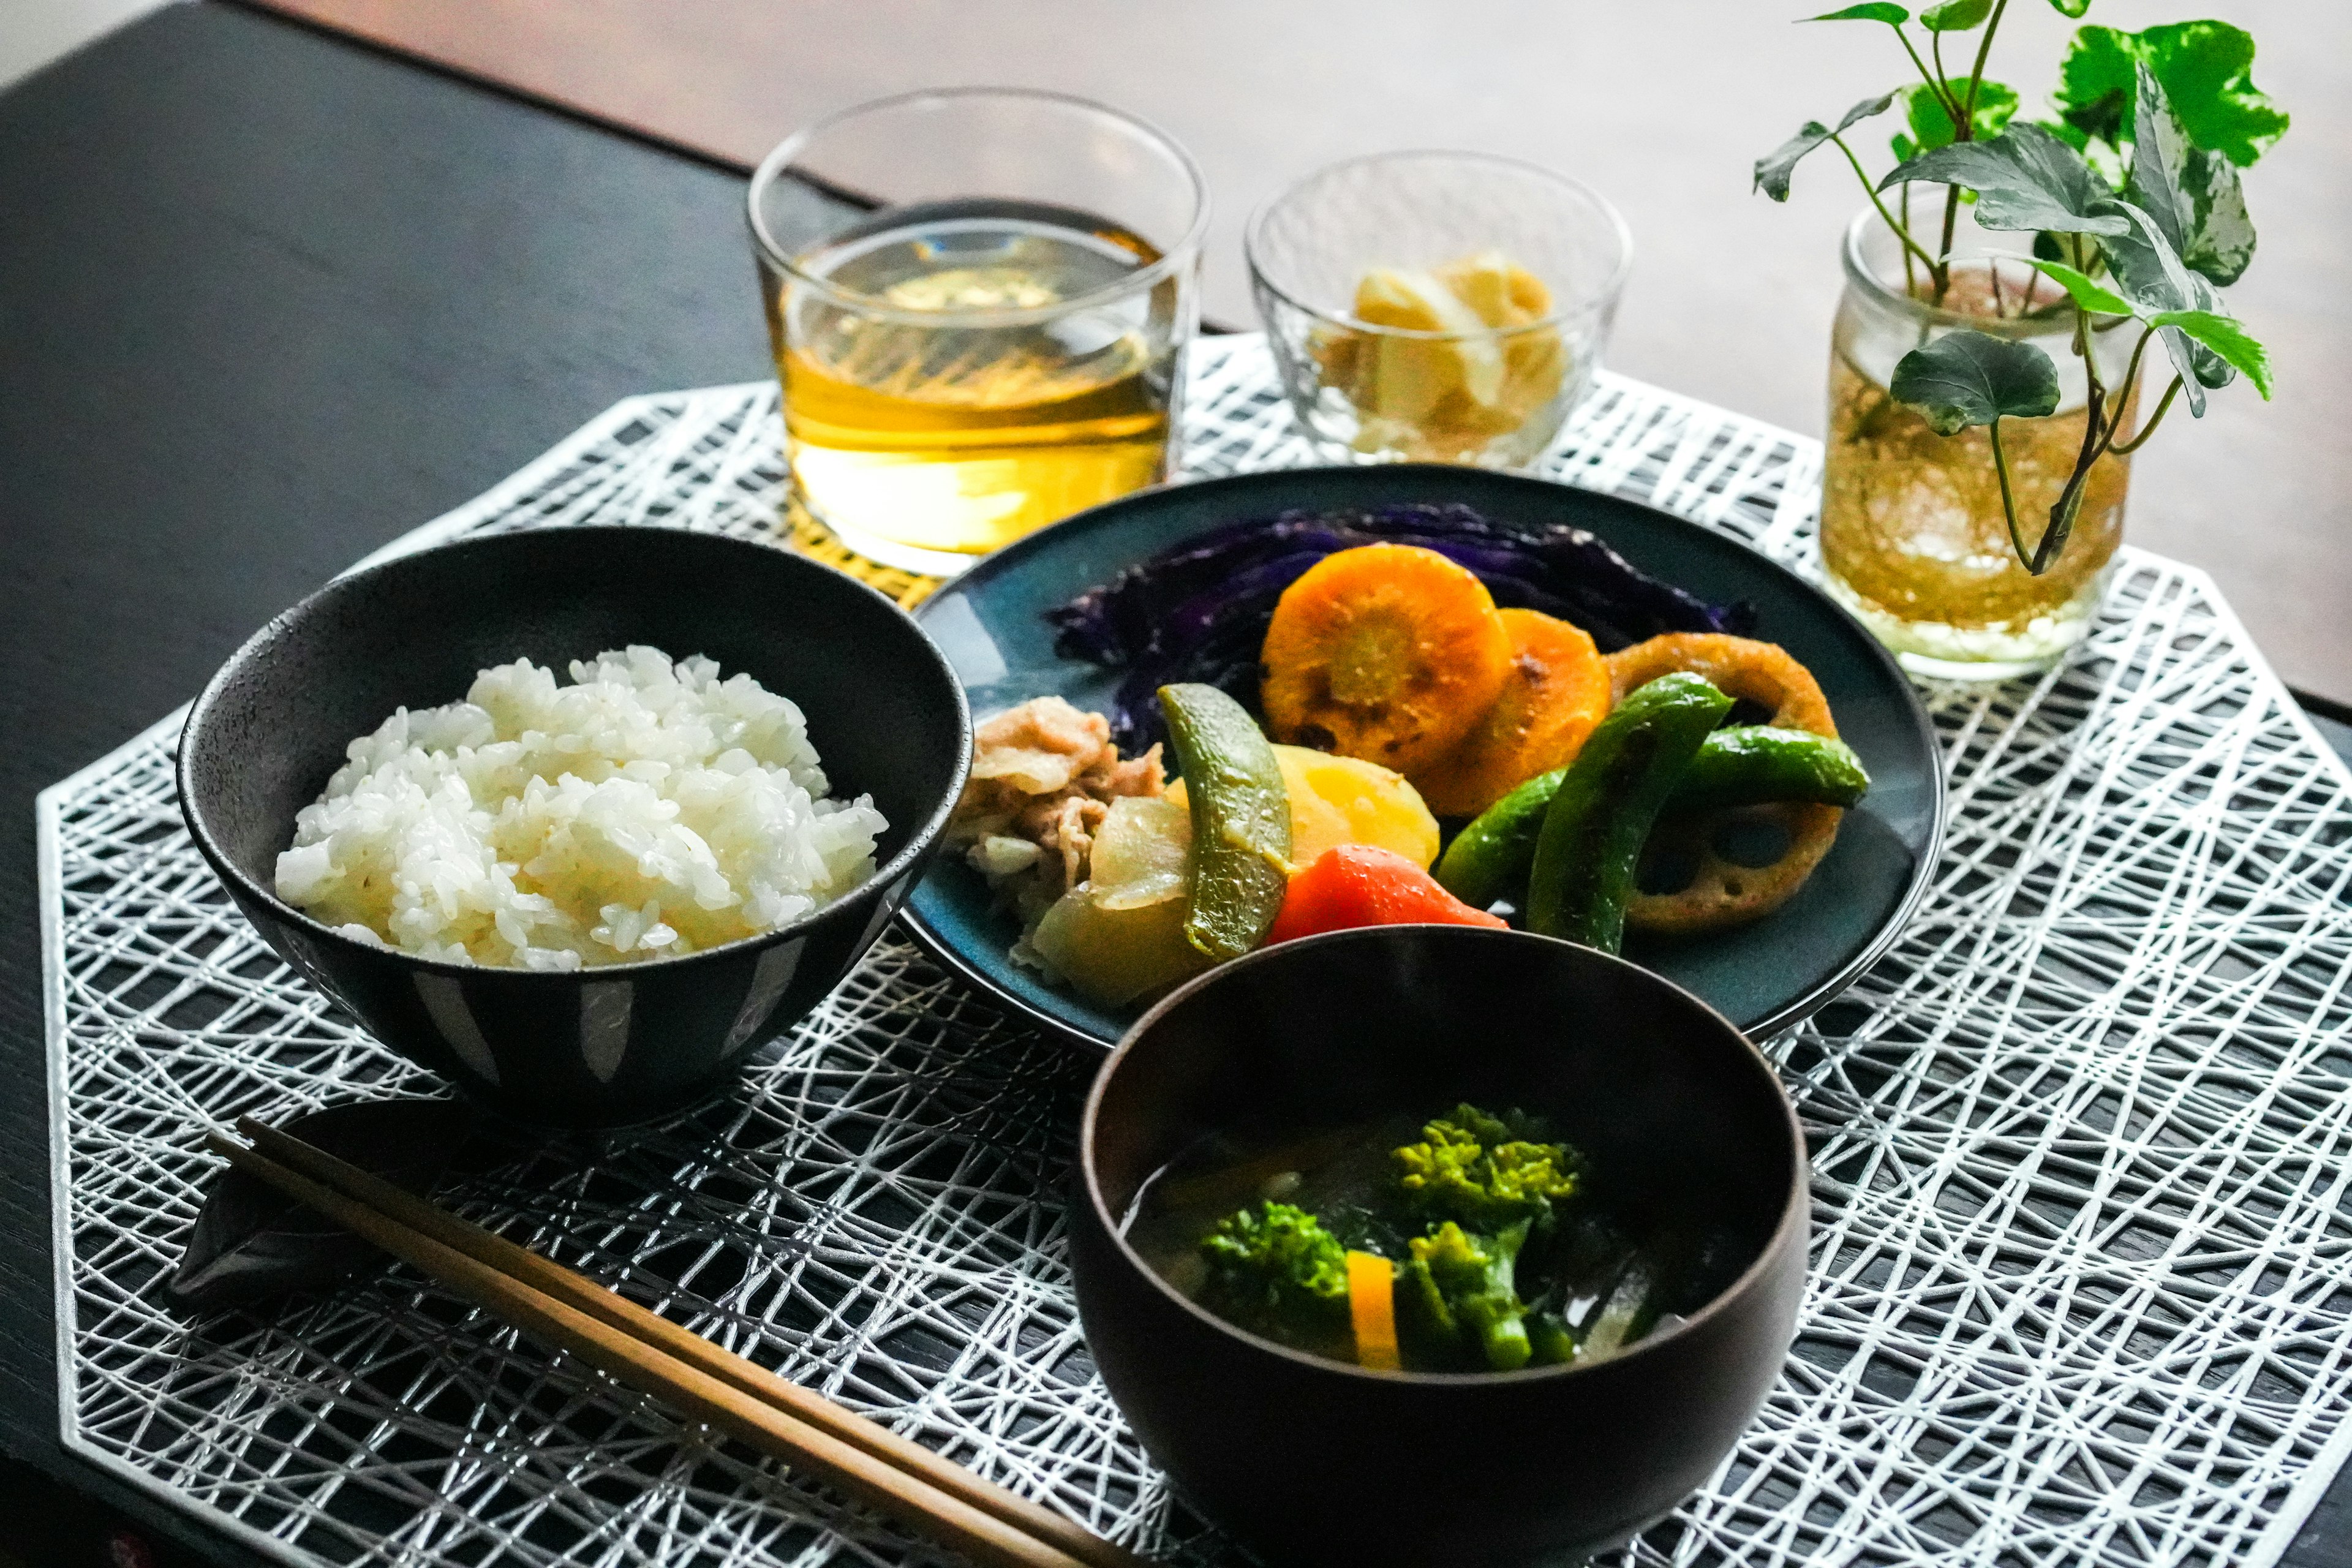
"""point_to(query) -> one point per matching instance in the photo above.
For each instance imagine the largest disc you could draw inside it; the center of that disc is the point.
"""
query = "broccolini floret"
(1484, 1173)
(1273, 1268)
(1458, 1293)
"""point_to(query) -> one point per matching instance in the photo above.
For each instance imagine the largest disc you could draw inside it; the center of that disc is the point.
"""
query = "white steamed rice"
(650, 809)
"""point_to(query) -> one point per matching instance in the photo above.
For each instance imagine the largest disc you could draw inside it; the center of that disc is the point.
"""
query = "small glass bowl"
(1536, 260)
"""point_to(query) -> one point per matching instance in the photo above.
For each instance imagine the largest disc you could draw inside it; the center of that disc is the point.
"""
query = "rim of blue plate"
(1015, 556)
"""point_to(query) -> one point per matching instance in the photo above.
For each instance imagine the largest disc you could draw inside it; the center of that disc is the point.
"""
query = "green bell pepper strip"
(1239, 866)
(1743, 766)
(1489, 859)
(1600, 817)
(1747, 764)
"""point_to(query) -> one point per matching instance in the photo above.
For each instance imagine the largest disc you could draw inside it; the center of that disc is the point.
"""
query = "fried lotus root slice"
(1557, 690)
(1740, 667)
(1722, 892)
(1387, 652)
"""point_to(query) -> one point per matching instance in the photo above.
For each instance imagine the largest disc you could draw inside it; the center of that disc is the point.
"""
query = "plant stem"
(1964, 129)
(1951, 217)
(2126, 448)
(1910, 270)
(1943, 94)
(1910, 245)
(2007, 501)
(2096, 434)
(2131, 379)
(1975, 71)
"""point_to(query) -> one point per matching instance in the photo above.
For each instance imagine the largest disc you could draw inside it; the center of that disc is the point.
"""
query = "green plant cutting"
(2130, 190)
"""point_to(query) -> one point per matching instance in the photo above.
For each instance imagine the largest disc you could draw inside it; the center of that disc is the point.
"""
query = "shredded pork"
(1042, 777)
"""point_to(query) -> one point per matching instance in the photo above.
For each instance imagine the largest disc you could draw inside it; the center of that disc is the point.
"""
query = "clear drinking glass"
(1914, 540)
(996, 341)
(1440, 306)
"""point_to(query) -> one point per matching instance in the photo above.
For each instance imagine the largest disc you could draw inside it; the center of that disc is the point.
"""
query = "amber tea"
(937, 402)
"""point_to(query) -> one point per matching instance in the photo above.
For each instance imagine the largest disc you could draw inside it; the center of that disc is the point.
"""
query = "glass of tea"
(980, 300)
(1438, 307)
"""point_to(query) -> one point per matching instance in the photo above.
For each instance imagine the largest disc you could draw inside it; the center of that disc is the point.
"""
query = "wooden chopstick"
(893, 1474)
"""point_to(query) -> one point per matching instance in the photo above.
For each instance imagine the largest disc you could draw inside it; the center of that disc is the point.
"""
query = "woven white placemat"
(2082, 1282)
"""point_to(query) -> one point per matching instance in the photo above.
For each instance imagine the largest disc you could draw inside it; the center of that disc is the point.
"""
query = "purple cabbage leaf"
(1199, 611)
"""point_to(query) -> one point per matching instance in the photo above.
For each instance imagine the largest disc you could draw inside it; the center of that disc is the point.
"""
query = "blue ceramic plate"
(1762, 977)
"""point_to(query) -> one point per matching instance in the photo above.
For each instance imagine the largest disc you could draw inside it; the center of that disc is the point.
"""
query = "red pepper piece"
(1358, 885)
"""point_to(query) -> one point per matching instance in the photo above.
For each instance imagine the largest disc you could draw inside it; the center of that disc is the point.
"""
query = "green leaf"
(1772, 171)
(1893, 16)
(2087, 293)
(2229, 341)
(2206, 346)
(2193, 195)
(1955, 15)
(2151, 275)
(2205, 68)
(2095, 82)
(2221, 233)
(2026, 178)
(1967, 378)
(1931, 125)
(2070, 8)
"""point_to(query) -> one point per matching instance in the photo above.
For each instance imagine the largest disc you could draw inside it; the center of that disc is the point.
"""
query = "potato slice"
(1344, 800)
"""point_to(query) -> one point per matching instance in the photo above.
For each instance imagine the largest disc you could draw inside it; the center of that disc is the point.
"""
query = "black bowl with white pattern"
(601, 1046)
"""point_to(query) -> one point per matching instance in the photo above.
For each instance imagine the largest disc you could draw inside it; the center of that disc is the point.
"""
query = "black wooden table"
(268, 299)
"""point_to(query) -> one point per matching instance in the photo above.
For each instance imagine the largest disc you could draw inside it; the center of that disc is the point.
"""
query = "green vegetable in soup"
(1275, 1270)
(1549, 1338)
(1458, 1298)
(1630, 1311)
(1483, 1172)
(1501, 1259)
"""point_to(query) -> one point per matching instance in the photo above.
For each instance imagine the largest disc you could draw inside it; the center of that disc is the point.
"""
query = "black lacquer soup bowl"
(1310, 1460)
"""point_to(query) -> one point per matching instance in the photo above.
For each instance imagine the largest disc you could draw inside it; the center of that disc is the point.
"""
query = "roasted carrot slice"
(1372, 1307)
(1557, 692)
(1388, 652)
(1721, 891)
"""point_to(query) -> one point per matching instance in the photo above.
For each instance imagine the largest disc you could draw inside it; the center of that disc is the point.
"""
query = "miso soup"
(1462, 1241)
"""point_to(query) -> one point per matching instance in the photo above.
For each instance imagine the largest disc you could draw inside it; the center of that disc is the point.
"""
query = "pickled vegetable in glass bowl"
(1446, 306)
(1466, 353)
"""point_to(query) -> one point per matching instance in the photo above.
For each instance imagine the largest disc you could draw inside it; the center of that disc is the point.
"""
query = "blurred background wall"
(1662, 105)
(35, 32)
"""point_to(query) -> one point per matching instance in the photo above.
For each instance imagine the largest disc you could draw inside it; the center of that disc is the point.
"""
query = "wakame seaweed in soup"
(1467, 1242)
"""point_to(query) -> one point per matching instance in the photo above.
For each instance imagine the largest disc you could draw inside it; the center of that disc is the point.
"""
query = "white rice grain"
(650, 808)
